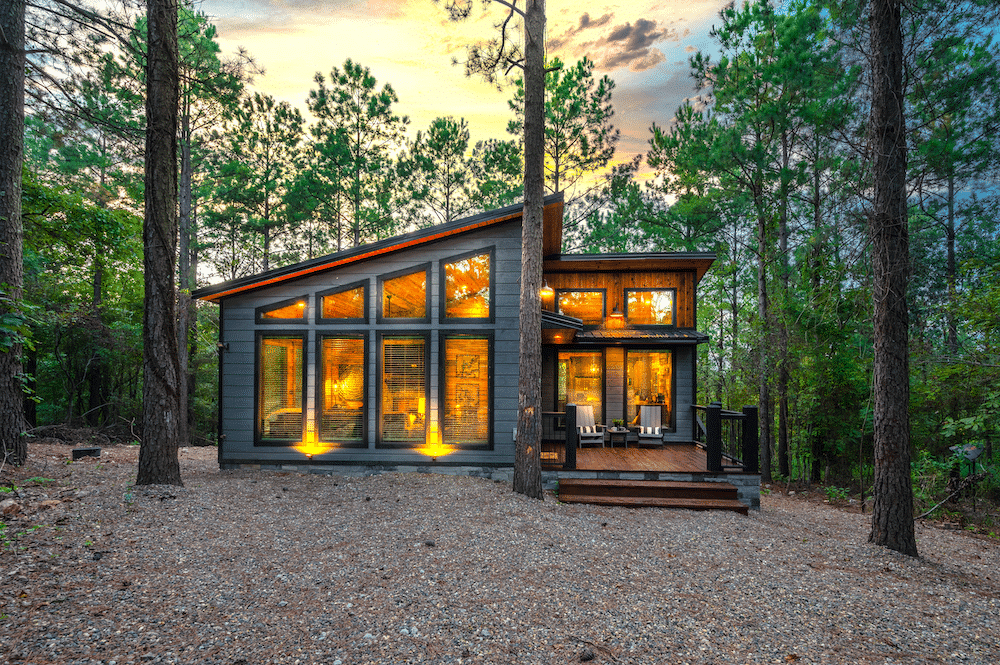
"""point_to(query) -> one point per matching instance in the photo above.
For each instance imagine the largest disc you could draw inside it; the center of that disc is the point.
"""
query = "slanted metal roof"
(216, 292)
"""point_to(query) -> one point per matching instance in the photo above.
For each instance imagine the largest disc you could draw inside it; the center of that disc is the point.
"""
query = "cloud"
(632, 46)
(587, 22)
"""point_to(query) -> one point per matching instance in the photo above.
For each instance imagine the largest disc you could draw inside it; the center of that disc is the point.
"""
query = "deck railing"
(729, 437)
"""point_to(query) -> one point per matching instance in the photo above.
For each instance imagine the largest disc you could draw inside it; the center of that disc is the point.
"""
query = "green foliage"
(255, 170)
(355, 121)
(836, 493)
(579, 136)
(438, 172)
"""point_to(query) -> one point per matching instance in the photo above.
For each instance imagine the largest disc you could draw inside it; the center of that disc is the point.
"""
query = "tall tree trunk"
(951, 336)
(97, 404)
(184, 274)
(527, 454)
(763, 357)
(782, 320)
(13, 444)
(892, 510)
(815, 266)
(161, 408)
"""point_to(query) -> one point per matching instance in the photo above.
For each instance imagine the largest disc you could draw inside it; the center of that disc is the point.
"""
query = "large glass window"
(341, 392)
(649, 381)
(404, 382)
(345, 304)
(588, 306)
(466, 391)
(292, 309)
(405, 296)
(467, 288)
(280, 382)
(650, 307)
(581, 381)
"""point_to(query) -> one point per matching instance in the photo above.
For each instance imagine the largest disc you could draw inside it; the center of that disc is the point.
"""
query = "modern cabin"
(403, 354)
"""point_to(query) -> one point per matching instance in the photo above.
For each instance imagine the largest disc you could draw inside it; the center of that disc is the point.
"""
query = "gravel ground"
(251, 567)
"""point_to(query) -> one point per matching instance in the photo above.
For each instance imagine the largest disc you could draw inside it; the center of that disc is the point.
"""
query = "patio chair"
(650, 427)
(588, 432)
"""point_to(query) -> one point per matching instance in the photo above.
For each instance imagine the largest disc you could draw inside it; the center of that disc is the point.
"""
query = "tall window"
(467, 287)
(466, 391)
(581, 381)
(344, 304)
(405, 296)
(293, 309)
(404, 384)
(650, 307)
(279, 383)
(649, 381)
(341, 391)
(588, 306)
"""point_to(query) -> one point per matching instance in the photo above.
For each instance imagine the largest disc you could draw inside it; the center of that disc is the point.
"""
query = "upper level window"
(404, 295)
(650, 307)
(349, 303)
(588, 306)
(293, 309)
(467, 287)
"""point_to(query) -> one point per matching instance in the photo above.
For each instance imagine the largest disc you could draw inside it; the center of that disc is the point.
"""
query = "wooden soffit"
(697, 262)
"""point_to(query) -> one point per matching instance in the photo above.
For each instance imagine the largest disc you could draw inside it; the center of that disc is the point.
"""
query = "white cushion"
(587, 429)
(653, 431)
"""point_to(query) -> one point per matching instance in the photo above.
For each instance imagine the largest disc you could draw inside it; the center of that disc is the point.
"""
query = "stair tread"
(659, 502)
(672, 484)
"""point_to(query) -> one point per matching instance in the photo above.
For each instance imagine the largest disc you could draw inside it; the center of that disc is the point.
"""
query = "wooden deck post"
(713, 437)
(571, 438)
(750, 441)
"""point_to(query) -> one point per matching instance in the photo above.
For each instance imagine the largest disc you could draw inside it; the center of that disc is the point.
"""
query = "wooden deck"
(671, 458)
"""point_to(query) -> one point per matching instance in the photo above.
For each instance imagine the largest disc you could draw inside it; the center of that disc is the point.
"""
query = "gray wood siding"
(240, 328)
(684, 357)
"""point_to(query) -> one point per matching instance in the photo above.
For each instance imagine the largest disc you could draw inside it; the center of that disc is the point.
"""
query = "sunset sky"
(643, 45)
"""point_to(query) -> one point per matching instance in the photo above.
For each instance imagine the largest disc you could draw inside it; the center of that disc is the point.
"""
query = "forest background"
(765, 165)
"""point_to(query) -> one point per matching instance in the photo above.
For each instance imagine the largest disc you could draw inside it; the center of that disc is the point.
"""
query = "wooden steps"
(652, 494)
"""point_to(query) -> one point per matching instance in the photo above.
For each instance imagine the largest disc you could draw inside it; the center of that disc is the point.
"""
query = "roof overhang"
(552, 221)
(698, 262)
(630, 336)
(559, 328)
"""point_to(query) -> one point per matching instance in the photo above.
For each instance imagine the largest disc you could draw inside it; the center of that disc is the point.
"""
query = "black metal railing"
(729, 437)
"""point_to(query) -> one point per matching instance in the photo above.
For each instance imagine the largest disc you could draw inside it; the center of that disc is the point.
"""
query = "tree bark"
(892, 510)
(13, 443)
(184, 274)
(781, 319)
(763, 357)
(161, 409)
(527, 454)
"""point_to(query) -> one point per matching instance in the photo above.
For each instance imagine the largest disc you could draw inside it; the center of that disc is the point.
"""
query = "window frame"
(442, 387)
(602, 352)
(673, 311)
(442, 291)
(363, 284)
(259, 337)
(604, 303)
(363, 443)
(671, 425)
(260, 311)
(381, 336)
(380, 318)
